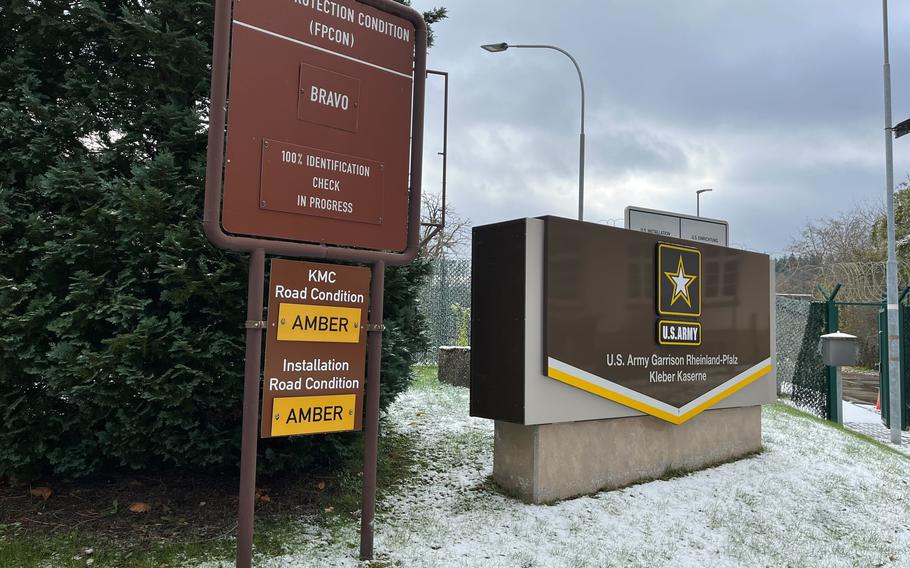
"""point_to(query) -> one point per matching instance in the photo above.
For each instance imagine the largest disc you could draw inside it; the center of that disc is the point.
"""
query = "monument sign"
(608, 356)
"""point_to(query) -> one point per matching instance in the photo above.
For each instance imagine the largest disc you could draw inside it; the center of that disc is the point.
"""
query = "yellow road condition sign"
(329, 324)
(313, 414)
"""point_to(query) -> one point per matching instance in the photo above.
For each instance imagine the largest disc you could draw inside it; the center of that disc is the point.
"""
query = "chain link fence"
(445, 301)
(801, 374)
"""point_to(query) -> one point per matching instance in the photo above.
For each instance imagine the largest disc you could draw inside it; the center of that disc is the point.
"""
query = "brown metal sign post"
(326, 112)
(247, 497)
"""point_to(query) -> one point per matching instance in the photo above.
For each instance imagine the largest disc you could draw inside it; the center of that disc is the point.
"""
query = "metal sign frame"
(679, 216)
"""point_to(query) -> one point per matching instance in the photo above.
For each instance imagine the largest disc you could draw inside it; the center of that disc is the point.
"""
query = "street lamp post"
(894, 363)
(500, 47)
(698, 193)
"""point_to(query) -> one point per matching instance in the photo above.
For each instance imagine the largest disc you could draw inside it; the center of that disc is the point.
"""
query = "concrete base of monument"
(551, 462)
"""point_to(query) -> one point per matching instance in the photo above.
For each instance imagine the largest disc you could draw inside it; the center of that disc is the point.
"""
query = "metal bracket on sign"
(373, 327)
(252, 324)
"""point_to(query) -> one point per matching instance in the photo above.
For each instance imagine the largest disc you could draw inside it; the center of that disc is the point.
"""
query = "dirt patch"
(160, 507)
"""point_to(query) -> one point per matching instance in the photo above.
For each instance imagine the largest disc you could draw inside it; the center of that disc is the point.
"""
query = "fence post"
(884, 388)
(831, 326)
(905, 380)
(444, 310)
(883, 384)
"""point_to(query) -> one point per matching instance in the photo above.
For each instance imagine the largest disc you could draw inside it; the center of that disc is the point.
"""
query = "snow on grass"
(817, 496)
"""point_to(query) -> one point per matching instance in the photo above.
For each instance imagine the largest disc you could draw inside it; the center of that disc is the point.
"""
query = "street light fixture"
(698, 193)
(495, 47)
(901, 128)
(500, 47)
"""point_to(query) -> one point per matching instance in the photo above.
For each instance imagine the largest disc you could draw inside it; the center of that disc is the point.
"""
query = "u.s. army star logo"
(679, 280)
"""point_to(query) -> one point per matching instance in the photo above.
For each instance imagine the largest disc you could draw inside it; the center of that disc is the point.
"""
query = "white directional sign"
(668, 224)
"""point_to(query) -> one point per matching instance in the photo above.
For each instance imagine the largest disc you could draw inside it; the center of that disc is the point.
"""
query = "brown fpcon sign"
(659, 325)
(315, 348)
(319, 128)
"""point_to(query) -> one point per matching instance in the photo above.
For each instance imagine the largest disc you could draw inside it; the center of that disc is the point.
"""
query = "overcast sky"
(776, 104)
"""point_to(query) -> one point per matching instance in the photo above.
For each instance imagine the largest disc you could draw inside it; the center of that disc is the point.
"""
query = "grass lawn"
(818, 495)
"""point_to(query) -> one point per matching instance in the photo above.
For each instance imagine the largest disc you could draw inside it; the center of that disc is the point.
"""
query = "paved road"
(863, 388)
(860, 387)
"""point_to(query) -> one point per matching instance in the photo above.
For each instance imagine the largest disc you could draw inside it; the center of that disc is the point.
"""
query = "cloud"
(777, 105)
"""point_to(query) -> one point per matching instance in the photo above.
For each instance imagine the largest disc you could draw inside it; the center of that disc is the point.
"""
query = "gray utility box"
(839, 349)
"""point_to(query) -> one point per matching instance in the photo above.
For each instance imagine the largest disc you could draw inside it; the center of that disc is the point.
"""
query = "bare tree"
(846, 249)
(848, 237)
(448, 240)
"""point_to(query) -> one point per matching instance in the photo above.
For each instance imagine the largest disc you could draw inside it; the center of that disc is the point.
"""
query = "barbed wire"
(861, 281)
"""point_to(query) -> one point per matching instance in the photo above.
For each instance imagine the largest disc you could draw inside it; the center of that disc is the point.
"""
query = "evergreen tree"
(121, 339)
